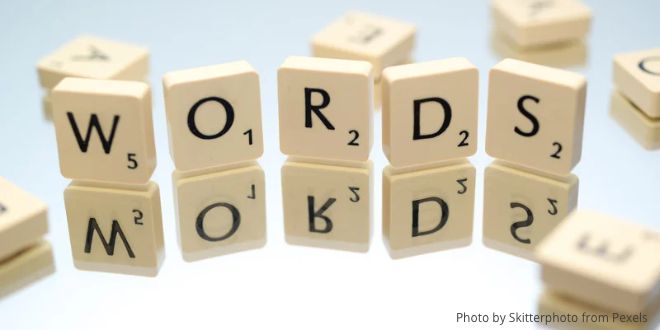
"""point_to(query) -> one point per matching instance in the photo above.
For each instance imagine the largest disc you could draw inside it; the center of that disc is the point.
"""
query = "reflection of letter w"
(83, 143)
(93, 226)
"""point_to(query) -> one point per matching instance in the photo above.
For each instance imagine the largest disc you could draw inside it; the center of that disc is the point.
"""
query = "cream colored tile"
(588, 317)
(430, 111)
(104, 130)
(521, 208)
(47, 106)
(535, 116)
(220, 213)
(645, 130)
(23, 219)
(563, 55)
(26, 267)
(637, 76)
(532, 23)
(428, 210)
(360, 36)
(94, 57)
(325, 108)
(115, 230)
(327, 206)
(603, 261)
(213, 115)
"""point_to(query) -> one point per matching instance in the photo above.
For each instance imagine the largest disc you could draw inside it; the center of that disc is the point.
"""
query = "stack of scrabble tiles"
(549, 32)
(24, 255)
(534, 130)
(635, 103)
(106, 146)
(602, 269)
(214, 124)
(91, 57)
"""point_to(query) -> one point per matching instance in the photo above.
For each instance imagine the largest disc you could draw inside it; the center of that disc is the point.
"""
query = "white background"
(281, 285)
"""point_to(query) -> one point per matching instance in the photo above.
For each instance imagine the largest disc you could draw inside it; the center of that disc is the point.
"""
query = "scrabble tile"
(104, 130)
(26, 267)
(23, 219)
(590, 317)
(603, 261)
(532, 23)
(221, 212)
(213, 115)
(359, 36)
(47, 106)
(522, 208)
(571, 54)
(327, 206)
(637, 76)
(430, 111)
(325, 108)
(645, 130)
(428, 210)
(93, 57)
(535, 116)
(115, 230)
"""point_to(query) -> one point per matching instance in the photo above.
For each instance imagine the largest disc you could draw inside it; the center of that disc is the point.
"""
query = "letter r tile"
(325, 108)
(104, 130)
(115, 230)
(327, 206)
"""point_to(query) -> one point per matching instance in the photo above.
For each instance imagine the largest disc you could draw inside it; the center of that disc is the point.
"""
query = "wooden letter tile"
(213, 115)
(93, 57)
(104, 130)
(325, 108)
(637, 76)
(535, 116)
(603, 261)
(23, 219)
(430, 111)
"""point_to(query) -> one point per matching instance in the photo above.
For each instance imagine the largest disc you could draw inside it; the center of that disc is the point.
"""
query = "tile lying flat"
(23, 219)
(26, 267)
(602, 261)
(637, 76)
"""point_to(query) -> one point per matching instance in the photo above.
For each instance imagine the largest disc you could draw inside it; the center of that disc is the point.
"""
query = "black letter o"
(236, 221)
(229, 110)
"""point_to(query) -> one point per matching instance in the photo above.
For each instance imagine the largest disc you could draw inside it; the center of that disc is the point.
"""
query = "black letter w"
(83, 143)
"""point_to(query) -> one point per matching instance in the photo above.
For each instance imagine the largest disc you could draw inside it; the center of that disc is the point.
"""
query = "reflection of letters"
(444, 215)
(235, 222)
(603, 250)
(3, 209)
(313, 214)
(109, 246)
(521, 224)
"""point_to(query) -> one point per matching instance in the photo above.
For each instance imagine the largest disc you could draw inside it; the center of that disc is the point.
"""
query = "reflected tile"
(428, 210)
(327, 206)
(115, 230)
(521, 208)
(643, 129)
(26, 267)
(221, 212)
(593, 318)
(562, 55)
